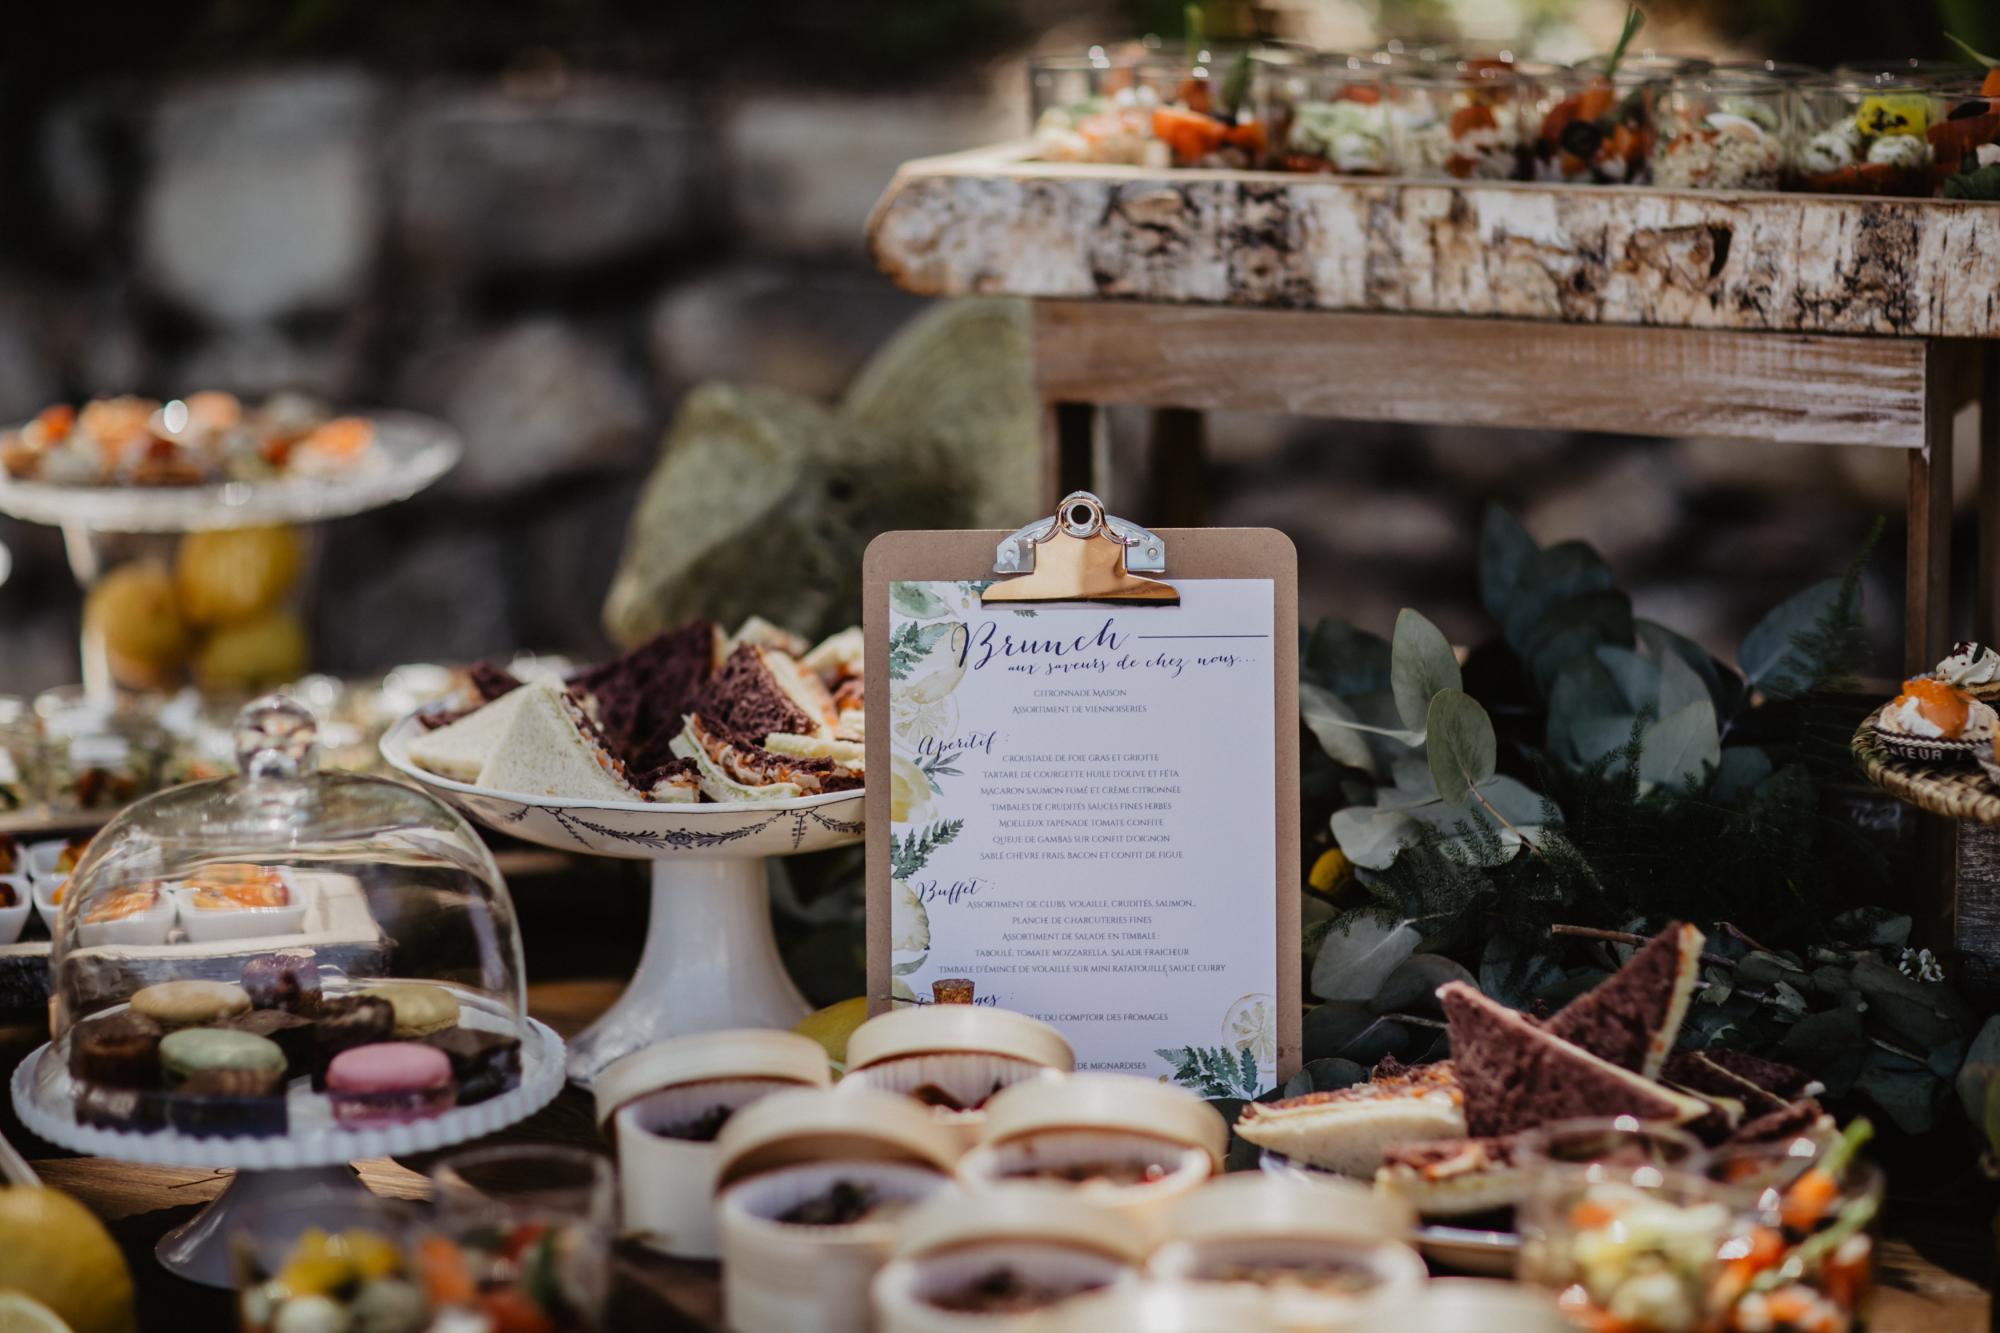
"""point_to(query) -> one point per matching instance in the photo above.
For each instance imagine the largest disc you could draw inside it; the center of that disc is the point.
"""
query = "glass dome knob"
(276, 737)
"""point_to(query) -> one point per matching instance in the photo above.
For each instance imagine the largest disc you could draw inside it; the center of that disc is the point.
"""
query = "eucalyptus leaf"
(1904, 1092)
(1508, 976)
(1829, 1045)
(1679, 749)
(1460, 743)
(1637, 678)
(1680, 685)
(1358, 956)
(1346, 660)
(1384, 1037)
(1875, 927)
(1329, 1027)
(1920, 1014)
(1421, 663)
(1508, 798)
(1979, 1072)
(1372, 837)
(1660, 643)
(1573, 628)
(1412, 987)
(1383, 727)
(1772, 658)
(1551, 578)
(1411, 773)
(1333, 725)
(1505, 552)
(1589, 715)
(1738, 772)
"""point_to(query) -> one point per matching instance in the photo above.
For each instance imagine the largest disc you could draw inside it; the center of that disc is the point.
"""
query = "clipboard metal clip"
(1082, 554)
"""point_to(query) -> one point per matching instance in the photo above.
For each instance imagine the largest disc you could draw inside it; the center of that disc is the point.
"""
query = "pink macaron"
(389, 1083)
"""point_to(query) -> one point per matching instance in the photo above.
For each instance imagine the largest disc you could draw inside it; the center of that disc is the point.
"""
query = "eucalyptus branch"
(1626, 937)
(1416, 1020)
(1480, 796)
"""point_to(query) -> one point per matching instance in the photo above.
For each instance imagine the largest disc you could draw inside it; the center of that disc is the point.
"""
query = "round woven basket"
(1954, 789)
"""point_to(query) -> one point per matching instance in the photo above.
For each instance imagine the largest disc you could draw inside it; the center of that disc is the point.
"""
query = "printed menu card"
(1083, 818)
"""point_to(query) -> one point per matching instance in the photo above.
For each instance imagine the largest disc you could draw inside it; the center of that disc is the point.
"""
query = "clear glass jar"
(1324, 113)
(1914, 69)
(1785, 71)
(1203, 107)
(1967, 141)
(1594, 130)
(1722, 132)
(96, 753)
(1460, 120)
(19, 749)
(362, 913)
(529, 1227)
(329, 1259)
(1865, 137)
(1093, 108)
(1635, 1246)
(1807, 1232)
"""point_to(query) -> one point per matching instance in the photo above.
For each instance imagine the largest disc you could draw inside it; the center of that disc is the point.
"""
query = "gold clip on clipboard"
(1082, 554)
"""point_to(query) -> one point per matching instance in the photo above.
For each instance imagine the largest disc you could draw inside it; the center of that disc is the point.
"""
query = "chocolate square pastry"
(129, 1110)
(230, 1104)
(294, 1034)
(345, 1022)
(484, 1064)
(120, 1050)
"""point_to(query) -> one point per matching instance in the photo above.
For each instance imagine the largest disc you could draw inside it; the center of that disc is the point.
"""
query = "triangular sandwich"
(1349, 1129)
(1634, 1017)
(1518, 1075)
(551, 749)
(459, 750)
(1454, 1177)
(760, 690)
(640, 697)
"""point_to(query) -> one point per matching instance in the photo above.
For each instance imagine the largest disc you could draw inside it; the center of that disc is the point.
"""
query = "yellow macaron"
(420, 1009)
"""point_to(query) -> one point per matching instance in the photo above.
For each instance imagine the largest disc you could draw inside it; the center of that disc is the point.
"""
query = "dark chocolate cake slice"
(1633, 1018)
(1800, 1117)
(1761, 1085)
(759, 691)
(639, 698)
(1517, 1075)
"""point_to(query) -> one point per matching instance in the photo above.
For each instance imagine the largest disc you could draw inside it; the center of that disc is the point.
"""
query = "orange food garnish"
(213, 409)
(1990, 85)
(512, 1310)
(1808, 1200)
(1188, 134)
(1944, 706)
(1470, 117)
(343, 437)
(56, 422)
(123, 904)
(446, 1277)
(1588, 1216)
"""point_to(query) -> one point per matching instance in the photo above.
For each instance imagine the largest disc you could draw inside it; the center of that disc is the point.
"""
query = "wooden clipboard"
(1190, 553)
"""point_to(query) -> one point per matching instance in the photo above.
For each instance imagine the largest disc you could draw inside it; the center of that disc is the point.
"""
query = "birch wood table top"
(994, 222)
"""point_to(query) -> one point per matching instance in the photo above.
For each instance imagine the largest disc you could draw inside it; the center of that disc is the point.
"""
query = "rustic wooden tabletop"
(1930, 1269)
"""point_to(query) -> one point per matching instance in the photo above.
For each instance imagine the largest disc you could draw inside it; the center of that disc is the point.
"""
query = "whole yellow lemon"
(134, 610)
(228, 577)
(833, 1025)
(55, 1251)
(269, 650)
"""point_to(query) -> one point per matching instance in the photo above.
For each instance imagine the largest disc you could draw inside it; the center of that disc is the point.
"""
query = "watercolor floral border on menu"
(1075, 792)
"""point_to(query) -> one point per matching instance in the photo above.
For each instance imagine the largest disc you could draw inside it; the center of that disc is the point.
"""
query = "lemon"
(833, 1025)
(267, 651)
(134, 610)
(227, 577)
(24, 1314)
(52, 1250)
(1330, 873)
(909, 790)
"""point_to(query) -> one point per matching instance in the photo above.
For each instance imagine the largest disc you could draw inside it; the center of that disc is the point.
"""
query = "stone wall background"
(551, 249)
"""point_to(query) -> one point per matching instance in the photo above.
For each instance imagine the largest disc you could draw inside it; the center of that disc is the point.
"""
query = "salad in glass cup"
(1721, 132)
(1866, 137)
(1594, 128)
(1200, 106)
(1461, 120)
(1323, 113)
(1093, 108)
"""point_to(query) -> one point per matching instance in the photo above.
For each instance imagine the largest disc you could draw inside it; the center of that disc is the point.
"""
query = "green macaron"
(191, 1049)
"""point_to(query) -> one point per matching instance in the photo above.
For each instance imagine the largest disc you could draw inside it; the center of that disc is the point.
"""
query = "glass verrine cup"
(329, 1259)
(1865, 137)
(1802, 1253)
(1914, 69)
(1721, 132)
(1610, 1147)
(1593, 129)
(1632, 1244)
(1967, 139)
(19, 755)
(523, 1233)
(1460, 119)
(1323, 113)
(1093, 108)
(1786, 71)
(1202, 107)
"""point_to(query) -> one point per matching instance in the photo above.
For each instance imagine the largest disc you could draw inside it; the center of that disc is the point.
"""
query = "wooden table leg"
(1176, 468)
(1069, 451)
(1927, 552)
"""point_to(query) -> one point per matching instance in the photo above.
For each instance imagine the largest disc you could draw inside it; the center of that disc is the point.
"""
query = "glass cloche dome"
(283, 952)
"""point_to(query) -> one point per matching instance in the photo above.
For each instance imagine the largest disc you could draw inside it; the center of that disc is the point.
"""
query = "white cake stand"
(315, 1153)
(710, 960)
(412, 452)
